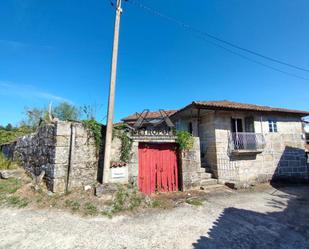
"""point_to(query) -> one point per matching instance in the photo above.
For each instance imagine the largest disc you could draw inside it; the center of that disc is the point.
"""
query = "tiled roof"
(230, 105)
(151, 115)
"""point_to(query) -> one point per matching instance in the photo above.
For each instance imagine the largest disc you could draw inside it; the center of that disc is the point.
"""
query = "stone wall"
(76, 156)
(190, 166)
(283, 156)
(189, 163)
(64, 150)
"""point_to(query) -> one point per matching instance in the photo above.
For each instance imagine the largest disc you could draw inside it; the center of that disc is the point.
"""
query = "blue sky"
(60, 50)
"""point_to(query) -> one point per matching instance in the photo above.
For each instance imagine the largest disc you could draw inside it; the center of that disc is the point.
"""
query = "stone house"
(154, 163)
(245, 143)
(234, 142)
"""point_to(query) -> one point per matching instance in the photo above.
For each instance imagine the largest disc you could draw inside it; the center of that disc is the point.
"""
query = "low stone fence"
(64, 150)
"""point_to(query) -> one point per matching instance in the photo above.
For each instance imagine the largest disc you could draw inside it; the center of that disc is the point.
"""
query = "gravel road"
(268, 218)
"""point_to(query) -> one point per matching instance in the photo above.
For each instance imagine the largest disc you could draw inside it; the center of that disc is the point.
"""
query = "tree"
(65, 111)
(9, 127)
(34, 116)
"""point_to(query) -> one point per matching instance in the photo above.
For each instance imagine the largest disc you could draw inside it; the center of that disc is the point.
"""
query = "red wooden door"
(158, 169)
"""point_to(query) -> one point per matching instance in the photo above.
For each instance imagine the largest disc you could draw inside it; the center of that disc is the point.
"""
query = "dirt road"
(268, 218)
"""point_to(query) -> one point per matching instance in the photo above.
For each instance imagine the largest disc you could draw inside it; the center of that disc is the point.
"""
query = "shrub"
(184, 140)
(96, 130)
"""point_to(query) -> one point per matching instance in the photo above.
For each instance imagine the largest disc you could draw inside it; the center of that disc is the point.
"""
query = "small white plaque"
(118, 172)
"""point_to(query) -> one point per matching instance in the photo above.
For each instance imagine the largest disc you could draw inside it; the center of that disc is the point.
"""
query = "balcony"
(246, 142)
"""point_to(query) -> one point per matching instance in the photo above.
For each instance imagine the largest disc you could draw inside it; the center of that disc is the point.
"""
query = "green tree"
(65, 111)
(9, 127)
(34, 116)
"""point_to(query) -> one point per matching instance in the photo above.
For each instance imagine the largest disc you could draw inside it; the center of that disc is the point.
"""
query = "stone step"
(214, 187)
(208, 170)
(207, 182)
(204, 165)
(201, 170)
(205, 175)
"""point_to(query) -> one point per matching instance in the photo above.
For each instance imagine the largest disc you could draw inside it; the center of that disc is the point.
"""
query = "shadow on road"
(287, 228)
(239, 228)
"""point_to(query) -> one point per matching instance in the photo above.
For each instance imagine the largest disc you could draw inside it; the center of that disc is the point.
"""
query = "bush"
(10, 135)
(184, 140)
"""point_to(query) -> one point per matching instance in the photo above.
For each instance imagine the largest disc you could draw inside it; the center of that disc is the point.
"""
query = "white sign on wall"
(119, 172)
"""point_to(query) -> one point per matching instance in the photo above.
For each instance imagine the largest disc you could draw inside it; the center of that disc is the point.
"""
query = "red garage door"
(158, 169)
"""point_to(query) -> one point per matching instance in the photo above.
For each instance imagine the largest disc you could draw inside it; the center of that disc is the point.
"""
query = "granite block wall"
(66, 151)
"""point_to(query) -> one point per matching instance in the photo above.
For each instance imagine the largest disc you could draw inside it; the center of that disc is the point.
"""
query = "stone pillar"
(190, 166)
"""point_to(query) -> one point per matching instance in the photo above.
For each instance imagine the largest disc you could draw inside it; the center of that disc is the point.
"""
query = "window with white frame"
(272, 125)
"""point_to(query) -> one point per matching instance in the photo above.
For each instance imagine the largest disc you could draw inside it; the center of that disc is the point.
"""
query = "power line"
(202, 34)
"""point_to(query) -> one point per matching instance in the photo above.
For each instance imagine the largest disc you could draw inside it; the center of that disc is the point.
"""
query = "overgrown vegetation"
(9, 135)
(96, 130)
(35, 116)
(7, 163)
(184, 140)
(126, 142)
(66, 111)
(20, 193)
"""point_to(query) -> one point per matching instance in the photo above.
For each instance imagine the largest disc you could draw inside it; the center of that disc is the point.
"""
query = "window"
(272, 126)
(236, 125)
(249, 124)
(190, 128)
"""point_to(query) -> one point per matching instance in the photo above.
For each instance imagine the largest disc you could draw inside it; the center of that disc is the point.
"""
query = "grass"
(156, 204)
(73, 205)
(9, 186)
(126, 199)
(195, 202)
(7, 190)
(90, 209)
(19, 193)
(17, 201)
(7, 163)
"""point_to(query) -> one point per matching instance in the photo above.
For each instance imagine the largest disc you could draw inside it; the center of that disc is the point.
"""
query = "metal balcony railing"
(246, 141)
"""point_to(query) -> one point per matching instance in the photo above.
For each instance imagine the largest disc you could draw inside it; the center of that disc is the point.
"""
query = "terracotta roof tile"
(230, 105)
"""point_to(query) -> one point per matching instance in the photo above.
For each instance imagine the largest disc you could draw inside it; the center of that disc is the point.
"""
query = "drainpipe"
(70, 160)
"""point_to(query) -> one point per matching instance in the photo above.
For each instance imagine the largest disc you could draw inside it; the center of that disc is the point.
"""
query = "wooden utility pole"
(111, 98)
